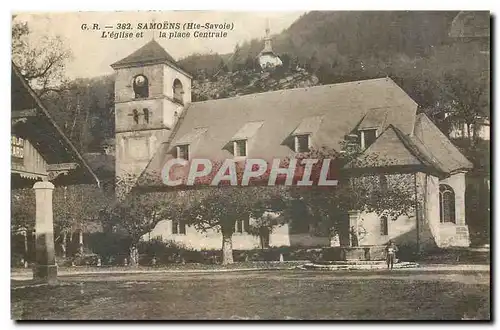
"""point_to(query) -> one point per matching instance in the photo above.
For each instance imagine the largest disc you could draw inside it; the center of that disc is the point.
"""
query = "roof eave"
(132, 64)
(56, 127)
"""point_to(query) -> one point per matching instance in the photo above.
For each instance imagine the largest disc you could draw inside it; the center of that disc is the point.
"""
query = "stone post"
(45, 266)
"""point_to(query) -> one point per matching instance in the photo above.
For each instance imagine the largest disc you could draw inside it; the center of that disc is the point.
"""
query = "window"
(178, 227)
(241, 226)
(136, 116)
(384, 226)
(446, 204)
(183, 152)
(146, 115)
(240, 148)
(383, 183)
(302, 143)
(299, 217)
(17, 147)
(368, 136)
(140, 86)
(178, 91)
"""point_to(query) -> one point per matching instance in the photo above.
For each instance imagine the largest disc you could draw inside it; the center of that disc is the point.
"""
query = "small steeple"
(267, 58)
(268, 48)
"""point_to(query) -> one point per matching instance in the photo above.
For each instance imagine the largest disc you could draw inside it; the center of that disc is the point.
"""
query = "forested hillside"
(85, 111)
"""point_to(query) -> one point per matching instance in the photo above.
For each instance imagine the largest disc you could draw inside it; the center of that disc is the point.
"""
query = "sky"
(92, 55)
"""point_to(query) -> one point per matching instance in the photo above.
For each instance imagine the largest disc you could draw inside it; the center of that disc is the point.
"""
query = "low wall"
(341, 253)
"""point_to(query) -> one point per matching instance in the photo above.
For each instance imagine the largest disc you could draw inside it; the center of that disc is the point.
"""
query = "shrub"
(165, 252)
(408, 252)
(89, 259)
(111, 247)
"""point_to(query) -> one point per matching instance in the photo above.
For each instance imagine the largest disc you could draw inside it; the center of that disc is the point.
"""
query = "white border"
(260, 5)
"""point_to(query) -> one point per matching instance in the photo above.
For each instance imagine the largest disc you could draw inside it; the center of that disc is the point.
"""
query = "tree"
(42, 62)
(75, 208)
(22, 209)
(135, 215)
(219, 208)
(328, 206)
(461, 84)
(264, 225)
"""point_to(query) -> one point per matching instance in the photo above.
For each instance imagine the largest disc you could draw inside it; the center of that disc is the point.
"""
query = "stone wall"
(134, 150)
(212, 239)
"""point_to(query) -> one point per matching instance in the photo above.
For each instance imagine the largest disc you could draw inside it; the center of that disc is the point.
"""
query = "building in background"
(267, 57)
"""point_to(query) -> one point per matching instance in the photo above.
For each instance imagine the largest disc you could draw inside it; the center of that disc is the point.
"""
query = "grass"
(262, 295)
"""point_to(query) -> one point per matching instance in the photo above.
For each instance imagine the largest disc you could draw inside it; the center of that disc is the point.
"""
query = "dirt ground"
(278, 294)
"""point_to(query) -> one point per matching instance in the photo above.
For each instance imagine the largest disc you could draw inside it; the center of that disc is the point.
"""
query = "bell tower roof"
(150, 53)
(268, 48)
(267, 57)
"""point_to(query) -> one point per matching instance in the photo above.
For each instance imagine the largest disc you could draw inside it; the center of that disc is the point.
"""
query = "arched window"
(146, 115)
(178, 91)
(446, 203)
(141, 86)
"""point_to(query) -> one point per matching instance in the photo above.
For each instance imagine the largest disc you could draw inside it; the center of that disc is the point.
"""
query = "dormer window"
(239, 143)
(185, 147)
(240, 148)
(146, 115)
(368, 136)
(140, 86)
(373, 121)
(183, 151)
(301, 136)
(302, 143)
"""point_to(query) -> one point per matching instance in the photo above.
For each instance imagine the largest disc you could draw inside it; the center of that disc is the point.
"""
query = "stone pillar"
(45, 266)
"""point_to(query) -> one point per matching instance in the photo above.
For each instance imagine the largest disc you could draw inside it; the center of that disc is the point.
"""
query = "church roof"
(341, 108)
(427, 148)
(150, 53)
(440, 147)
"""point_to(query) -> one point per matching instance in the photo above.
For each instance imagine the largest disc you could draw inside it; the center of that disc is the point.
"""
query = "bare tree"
(42, 61)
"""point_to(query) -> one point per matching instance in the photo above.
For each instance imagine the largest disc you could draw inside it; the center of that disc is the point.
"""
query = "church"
(157, 121)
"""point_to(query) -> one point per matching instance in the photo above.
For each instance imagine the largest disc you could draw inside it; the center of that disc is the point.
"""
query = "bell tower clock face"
(140, 85)
(140, 81)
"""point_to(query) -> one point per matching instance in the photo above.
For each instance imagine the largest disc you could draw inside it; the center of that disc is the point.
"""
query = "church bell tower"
(151, 92)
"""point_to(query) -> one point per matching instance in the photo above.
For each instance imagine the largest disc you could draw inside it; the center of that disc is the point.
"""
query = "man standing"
(391, 250)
